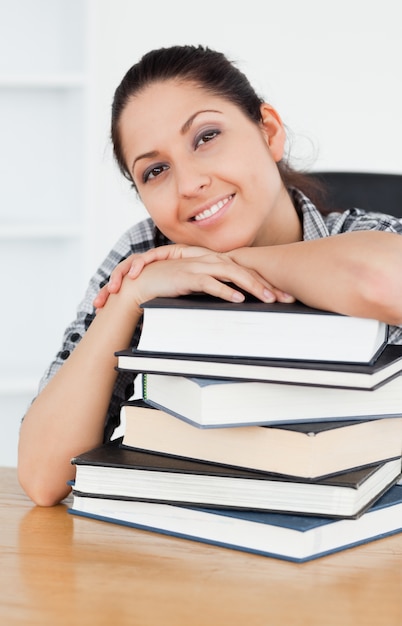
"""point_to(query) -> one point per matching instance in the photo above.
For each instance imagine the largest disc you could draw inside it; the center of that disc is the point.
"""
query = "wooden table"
(61, 569)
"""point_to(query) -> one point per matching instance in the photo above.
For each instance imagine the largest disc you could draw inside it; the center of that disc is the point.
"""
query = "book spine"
(144, 386)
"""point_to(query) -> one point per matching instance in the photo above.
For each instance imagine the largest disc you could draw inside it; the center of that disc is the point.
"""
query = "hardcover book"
(308, 450)
(322, 373)
(134, 474)
(297, 538)
(201, 324)
(222, 402)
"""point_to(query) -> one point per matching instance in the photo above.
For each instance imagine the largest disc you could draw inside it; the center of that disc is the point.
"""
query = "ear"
(273, 131)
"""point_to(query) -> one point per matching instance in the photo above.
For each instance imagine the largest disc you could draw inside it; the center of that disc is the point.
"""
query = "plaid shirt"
(144, 235)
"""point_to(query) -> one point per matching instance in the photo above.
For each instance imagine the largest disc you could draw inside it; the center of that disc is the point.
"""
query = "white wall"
(332, 69)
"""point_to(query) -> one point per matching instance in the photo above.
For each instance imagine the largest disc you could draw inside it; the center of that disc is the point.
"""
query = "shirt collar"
(313, 223)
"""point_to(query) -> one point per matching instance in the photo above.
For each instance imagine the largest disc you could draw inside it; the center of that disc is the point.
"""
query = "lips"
(203, 215)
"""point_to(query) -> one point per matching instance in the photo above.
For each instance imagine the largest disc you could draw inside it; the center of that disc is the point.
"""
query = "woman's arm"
(68, 416)
(355, 273)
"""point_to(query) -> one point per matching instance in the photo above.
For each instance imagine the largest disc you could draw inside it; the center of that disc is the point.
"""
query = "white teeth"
(212, 210)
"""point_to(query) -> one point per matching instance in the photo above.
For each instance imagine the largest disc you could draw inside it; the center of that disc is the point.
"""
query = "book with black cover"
(308, 450)
(110, 470)
(296, 538)
(201, 324)
(322, 373)
(222, 402)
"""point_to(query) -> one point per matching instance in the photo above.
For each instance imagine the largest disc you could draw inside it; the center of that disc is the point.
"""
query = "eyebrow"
(187, 125)
(183, 130)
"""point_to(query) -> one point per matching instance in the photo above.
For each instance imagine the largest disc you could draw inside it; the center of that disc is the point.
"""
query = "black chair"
(369, 191)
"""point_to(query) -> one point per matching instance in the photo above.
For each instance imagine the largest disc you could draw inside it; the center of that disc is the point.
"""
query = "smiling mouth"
(212, 210)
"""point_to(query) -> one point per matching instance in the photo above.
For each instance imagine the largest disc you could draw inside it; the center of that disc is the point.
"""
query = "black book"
(113, 471)
(324, 373)
(201, 324)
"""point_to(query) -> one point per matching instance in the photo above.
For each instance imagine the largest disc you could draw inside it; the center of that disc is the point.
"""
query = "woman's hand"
(222, 268)
(211, 273)
(133, 265)
(162, 253)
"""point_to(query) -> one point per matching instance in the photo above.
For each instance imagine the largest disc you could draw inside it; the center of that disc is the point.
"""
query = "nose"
(191, 178)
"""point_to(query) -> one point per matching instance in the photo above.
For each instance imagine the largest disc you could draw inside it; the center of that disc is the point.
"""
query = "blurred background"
(332, 70)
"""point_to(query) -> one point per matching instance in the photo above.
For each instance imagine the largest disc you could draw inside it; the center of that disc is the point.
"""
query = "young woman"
(227, 214)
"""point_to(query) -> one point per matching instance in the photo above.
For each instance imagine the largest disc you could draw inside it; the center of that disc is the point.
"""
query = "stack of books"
(272, 429)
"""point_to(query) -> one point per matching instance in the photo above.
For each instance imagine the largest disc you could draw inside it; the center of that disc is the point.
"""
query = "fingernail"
(237, 297)
(268, 296)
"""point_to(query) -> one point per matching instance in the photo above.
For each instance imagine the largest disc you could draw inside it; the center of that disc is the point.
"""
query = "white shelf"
(44, 81)
(44, 91)
(25, 231)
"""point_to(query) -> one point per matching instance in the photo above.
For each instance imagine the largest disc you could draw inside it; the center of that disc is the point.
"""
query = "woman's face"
(206, 174)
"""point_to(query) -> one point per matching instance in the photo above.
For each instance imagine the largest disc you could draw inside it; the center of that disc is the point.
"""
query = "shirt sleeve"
(139, 238)
(357, 219)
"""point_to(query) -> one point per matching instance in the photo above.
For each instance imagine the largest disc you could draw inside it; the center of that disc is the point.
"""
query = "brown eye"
(206, 137)
(153, 172)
